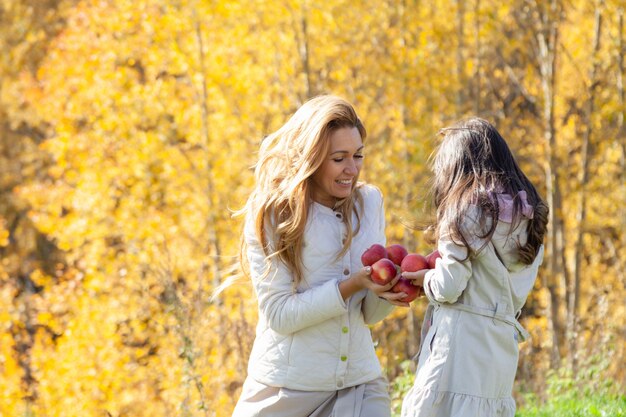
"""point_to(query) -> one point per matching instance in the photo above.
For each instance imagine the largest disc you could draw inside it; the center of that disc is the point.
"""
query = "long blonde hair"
(281, 198)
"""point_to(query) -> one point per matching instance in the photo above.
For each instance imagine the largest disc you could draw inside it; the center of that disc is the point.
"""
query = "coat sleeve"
(374, 308)
(446, 282)
(285, 310)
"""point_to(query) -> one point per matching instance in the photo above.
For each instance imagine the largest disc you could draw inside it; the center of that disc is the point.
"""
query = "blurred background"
(127, 134)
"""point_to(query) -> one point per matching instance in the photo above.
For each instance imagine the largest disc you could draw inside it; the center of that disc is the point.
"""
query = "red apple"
(383, 271)
(432, 258)
(396, 253)
(373, 254)
(412, 291)
(413, 262)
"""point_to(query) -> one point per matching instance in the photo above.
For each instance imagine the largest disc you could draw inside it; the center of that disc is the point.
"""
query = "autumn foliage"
(128, 130)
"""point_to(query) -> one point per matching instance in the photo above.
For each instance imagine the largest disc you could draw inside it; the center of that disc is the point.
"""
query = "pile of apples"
(388, 262)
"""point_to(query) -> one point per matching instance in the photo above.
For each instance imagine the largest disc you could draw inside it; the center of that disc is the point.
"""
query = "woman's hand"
(384, 291)
(395, 297)
(365, 277)
(362, 280)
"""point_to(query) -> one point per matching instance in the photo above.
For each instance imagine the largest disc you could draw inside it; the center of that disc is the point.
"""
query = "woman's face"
(338, 173)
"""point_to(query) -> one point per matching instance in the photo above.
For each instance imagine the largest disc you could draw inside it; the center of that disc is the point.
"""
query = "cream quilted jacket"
(311, 339)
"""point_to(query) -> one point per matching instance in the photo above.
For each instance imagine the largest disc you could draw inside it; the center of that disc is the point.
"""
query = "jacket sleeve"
(374, 308)
(285, 310)
(446, 282)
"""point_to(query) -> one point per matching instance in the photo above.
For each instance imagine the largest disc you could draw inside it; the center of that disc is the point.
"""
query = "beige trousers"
(366, 400)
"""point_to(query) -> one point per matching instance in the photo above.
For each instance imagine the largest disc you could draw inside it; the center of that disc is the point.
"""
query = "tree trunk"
(460, 63)
(477, 58)
(302, 27)
(621, 129)
(408, 239)
(547, 39)
(213, 247)
(581, 214)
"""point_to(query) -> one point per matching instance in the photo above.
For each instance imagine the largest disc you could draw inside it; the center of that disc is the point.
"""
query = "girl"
(308, 221)
(490, 224)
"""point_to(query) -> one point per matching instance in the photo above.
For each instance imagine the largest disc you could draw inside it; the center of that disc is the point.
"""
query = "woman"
(308, 221)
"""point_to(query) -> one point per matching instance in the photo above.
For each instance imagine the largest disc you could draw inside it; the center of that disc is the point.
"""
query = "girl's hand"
(416, 278)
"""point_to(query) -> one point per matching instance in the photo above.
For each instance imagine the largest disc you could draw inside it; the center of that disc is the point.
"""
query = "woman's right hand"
(363, 279)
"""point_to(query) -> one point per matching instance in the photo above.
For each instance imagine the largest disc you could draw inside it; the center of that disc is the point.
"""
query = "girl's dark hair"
(472, 164)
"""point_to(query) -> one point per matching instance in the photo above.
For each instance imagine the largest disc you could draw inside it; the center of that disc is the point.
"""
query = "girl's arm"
(446, 282)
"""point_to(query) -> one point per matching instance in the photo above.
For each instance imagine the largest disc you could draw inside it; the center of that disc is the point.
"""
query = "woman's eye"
(355, 156)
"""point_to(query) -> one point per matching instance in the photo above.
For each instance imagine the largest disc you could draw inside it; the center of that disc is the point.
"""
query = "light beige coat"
(469, 351)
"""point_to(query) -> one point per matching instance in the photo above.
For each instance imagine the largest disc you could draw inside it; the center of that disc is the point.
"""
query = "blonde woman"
(308, 221)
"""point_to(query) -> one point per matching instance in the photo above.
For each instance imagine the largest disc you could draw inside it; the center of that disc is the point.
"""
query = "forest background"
(128, 130)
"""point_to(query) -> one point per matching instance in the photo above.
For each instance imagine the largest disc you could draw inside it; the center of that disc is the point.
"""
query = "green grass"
(599, 406)
(584, 394)
(400, 386)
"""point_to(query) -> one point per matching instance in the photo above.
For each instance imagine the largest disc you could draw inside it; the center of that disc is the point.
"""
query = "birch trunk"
(547, 40)
(581, 213)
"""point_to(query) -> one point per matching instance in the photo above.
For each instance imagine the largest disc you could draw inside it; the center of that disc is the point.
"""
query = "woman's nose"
(351, 168)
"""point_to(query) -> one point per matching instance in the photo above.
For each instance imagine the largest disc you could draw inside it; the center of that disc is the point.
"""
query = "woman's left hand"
(394, 298)
(385, 292)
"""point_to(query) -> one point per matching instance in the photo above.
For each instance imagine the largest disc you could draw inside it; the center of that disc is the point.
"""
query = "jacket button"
(344, 329)
(344, 358)
(339, 384)
(346, 271)
(338, 215)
